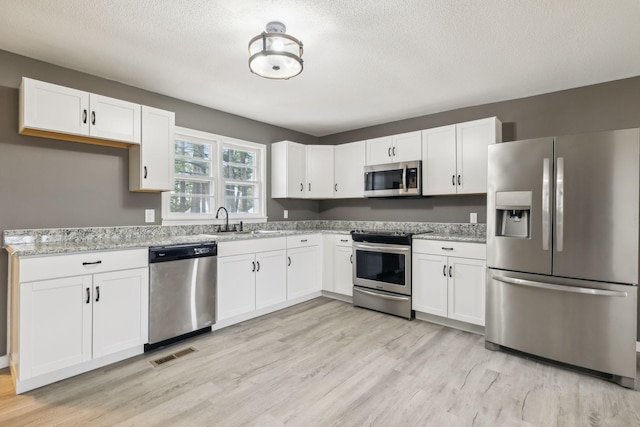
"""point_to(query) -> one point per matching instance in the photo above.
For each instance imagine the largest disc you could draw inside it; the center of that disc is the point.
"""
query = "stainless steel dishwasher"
(182, 291)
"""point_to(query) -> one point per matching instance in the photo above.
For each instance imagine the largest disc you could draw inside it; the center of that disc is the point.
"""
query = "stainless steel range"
(382, 271)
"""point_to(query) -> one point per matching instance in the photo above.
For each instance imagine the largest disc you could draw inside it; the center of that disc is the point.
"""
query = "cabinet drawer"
(458, 249)
(304, 240)
(241, 247)
(53, 266)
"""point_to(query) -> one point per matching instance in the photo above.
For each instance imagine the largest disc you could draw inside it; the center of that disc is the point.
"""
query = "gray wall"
(50, 183)
(612, 105)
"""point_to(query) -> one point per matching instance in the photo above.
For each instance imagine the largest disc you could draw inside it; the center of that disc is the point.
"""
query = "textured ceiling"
(366, 62)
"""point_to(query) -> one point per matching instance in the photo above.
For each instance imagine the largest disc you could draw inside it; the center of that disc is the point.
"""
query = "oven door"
(382, 266)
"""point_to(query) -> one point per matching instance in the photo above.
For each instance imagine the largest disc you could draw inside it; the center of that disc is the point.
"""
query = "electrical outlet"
(473, 218)
(286, 213)
(149, 215)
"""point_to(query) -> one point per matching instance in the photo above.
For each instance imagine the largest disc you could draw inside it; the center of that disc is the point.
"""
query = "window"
(212, 171)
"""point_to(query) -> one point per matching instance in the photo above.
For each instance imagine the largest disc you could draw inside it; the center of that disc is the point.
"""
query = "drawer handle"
(304, 240)
(97, 293)
(447, 249)
(92, 263)
(88, 296)
(344, 240)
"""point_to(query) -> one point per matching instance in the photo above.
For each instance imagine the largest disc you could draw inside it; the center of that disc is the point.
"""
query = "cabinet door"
(343, 270)
(114, 119)
(319, 171)
(271, 278)
(379, 151)
(296, 170)
(429, 284)
(349, 160)
(303, 273)
(120, 311)
(467, 290)
(472, 140)
(150, 163)
(236, 285)
(439, 160)
(55, 324)
(49, 107)
(407, 147)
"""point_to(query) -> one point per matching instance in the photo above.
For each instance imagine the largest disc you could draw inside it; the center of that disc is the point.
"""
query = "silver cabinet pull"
(546, 212)
(562, 288)
(560, 205)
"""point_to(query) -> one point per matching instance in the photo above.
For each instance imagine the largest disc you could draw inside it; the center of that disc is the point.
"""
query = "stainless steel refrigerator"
(562, 250)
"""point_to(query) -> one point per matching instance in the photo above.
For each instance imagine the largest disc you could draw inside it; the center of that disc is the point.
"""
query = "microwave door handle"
(404, 179)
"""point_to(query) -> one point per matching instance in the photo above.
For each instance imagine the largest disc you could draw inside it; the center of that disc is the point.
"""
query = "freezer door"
(520, 176)
(596, 206)
(583, 323)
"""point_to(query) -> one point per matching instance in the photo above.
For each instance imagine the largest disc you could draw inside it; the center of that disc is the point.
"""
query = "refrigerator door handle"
(546, 210)
(562, 288)
(560, 205)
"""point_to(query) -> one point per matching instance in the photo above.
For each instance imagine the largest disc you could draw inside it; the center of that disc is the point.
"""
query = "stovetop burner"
(393, 237)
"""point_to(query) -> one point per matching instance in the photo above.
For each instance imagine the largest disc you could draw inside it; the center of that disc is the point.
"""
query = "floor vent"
(173, 356)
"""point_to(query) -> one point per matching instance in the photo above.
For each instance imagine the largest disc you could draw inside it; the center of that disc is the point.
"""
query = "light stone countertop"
(39, 242)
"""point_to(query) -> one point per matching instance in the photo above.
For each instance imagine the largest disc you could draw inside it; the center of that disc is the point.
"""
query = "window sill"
(203, 221)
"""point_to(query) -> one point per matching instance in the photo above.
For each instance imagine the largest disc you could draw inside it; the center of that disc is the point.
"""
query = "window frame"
(216, 143)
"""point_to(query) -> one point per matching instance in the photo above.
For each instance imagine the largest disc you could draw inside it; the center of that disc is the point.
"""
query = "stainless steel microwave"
(393, 179)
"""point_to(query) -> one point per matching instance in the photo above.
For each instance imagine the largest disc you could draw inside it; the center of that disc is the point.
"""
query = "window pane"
(239, 173)
(242, 157)
(239, 198)
(191, 204)
(193, 167)
(193, 150)
(184, 186)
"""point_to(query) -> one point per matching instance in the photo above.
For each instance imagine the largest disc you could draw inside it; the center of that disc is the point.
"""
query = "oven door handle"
(394, 249)
(384, 296)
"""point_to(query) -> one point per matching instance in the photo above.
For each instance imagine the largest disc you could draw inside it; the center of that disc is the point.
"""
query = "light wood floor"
(326, 363)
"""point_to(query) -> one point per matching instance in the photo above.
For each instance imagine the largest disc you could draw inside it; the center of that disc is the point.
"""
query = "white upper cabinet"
(454, 158)
(396, 148)
(288, 170)
(319, 159)
(349, 160)
(59, 112)
(150, 162)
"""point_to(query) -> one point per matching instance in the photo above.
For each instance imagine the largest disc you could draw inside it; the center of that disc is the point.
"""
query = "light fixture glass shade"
(274, 54)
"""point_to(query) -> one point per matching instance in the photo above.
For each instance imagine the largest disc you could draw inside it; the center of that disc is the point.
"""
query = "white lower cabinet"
(252, 275)
(449, 279)
(62, 326)
(338, 267)
(304, 262)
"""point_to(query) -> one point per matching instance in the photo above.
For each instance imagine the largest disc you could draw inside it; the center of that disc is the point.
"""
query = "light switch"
(286, 214)
(149, 215)
(473, 218)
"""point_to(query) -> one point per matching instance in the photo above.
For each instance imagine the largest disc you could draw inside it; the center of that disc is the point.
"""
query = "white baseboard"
(4, 361)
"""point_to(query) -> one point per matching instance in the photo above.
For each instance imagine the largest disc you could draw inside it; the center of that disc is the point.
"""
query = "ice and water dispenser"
(513, 214)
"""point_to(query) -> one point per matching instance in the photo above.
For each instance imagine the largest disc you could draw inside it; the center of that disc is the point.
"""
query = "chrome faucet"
(226, 225)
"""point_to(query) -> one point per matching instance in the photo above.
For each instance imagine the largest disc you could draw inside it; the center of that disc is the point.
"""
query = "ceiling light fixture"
(274, 54)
